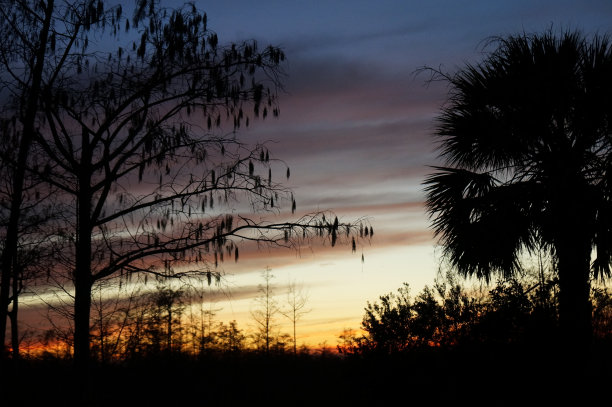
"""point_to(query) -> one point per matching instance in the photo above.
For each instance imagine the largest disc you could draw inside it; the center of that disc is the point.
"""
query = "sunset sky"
(355, 128)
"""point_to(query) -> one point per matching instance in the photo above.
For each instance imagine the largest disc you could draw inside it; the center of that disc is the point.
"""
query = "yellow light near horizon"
(338, 286)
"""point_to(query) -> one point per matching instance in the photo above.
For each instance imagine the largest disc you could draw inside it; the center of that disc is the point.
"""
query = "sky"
(355, 127)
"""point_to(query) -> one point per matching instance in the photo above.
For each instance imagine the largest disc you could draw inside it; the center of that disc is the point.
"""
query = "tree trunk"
(9, 255)
(14, 330)
(82, 306)
(83, 280)
(573, 257)
(15, 312)
(573, 217)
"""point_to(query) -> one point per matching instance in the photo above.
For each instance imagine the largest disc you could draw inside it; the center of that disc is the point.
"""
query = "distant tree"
(295, 309)
(164, 319)
(265, 313)
(323, 350)
(105, 319)
(349, 343)
(135, 332)
(118, 316)
(230, 338)
(201, 320)
(525, 137)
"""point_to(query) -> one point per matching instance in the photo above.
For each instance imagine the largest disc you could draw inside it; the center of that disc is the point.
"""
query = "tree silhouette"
(295, 309)
(525, 137)
(132, 140)
(436, 317)
(26, 31)
(165, 318)
(389, 323)
(130, 119)
(42, 42)
(265, 314)
(230, 338)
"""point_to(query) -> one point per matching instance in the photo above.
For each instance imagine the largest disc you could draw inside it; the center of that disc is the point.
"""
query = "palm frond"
(482, 224)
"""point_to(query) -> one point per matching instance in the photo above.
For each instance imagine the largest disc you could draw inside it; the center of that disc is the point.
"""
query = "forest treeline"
(521, 310)
(136, 322)
(441, 341)
(160, 322)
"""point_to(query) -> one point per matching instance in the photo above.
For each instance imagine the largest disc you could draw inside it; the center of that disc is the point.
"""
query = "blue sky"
(356, 124)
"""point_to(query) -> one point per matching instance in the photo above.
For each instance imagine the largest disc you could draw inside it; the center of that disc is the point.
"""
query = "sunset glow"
(355, 129)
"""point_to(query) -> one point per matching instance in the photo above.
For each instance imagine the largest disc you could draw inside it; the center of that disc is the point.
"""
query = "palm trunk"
(573, 252)
(574, 299)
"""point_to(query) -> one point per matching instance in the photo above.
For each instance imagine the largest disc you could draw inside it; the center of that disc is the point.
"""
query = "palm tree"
(526, 139)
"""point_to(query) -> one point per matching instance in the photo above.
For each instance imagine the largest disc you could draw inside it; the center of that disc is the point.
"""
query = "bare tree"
(114, 310)
(295, 308)
(265, 313)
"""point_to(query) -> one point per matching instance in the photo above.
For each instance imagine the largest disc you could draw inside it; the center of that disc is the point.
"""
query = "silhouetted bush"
(518, 310)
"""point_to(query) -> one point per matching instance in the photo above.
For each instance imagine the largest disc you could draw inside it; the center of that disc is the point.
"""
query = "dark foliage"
(515, 312)
(525, 139)
(434, 376)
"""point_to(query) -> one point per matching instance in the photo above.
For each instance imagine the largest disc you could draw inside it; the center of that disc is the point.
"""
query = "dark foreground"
(509, 376)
